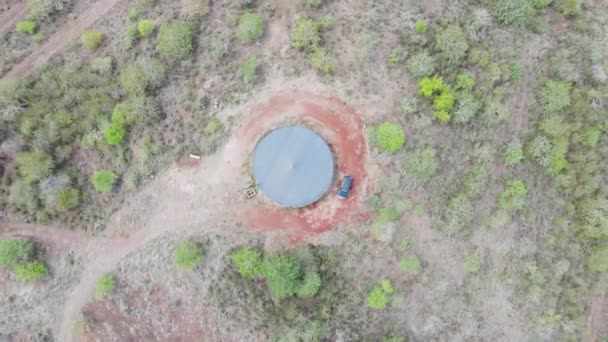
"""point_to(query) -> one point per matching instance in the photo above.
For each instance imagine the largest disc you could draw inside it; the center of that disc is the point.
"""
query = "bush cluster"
(442, 95)
(104, 180)
(380, 295)
(27, 26)
(104, 286)
(91, 39)
(188, 255)
(389, 137)
(19, 255)
(175, 40)
(250, 28)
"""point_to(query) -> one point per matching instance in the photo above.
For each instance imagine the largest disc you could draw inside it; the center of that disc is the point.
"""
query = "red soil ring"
(343, 129)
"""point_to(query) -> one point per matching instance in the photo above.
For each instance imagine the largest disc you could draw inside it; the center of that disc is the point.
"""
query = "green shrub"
(310, 286)
(598, 260)
(472, 263)
(494, 112)
(569, 7)
(282, 275)
(154, 72)
(131, 35)
(465, 81)
(102, 65)
(30, 272)
(15, 252)
(410, 265)
(443, 97)
(175, 40)
(421, 164)
(133, 80)
(305, 35)
(395, 57)
(453, 44)
(104, 180)
(593, 218)
(514, 12)
(212, 127)
(458, 213)
(467, 107)
(104, 286)
(389, 137)
(146, 27)
(248, 69)
(429, 87)
(67, 198)
(421, 26)
(379, 296)
(34, 165)
(540, 4)
(27, 26)
(250, 28)
(248, 262)
(115, 134)
(555, 96)
(514, 154)
(513, 196)
(91, 39)
(23, 195)
(421, 64)
(187, 255)
(323, 61)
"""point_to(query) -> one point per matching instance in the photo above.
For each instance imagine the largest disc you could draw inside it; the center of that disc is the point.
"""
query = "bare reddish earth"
(343, 128)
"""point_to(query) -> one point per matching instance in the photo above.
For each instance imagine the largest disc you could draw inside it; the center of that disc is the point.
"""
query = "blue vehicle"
(347, 182)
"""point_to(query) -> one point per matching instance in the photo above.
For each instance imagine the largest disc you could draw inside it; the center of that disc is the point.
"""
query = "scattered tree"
(104, 286)
(91, 39)
(250, 27)
(188, 255)
(248, 262)
(104, 180)
(175, 40)
(389, 137)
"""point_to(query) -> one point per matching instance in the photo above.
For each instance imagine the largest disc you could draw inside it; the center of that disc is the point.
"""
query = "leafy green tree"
(513, 196)
(15, 252)
(248, 262)
(27, 26)
(411, 265)
(514, 12)
(248, 69)
(282, 275)
(598, 260)
(115, 134)
(175, 40)
(453, 44)
(379, 296)
(421, 26)
(187, 255)
(104, 180)
(472, 263)
(465, 81)
(104, 286)
(310, 286)
(421, 164)
(555, 96)
(250, 27)
(34, 165)
(421, 64)
(429, 87)
(30, 272)
(305, 35)
(389, 137)
(146, 27)
(91, 39)
(323, 61)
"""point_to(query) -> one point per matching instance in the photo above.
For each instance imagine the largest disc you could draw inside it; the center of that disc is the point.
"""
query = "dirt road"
(10, 17)
(58, 41)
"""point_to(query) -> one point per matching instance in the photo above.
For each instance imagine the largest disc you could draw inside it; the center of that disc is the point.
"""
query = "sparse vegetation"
(91, 39)
(175, 40)
(187, 255)
(104, 286)
(250, 28)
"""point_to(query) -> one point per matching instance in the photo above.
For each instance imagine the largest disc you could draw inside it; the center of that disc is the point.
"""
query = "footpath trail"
(58, 41)
(10, 17)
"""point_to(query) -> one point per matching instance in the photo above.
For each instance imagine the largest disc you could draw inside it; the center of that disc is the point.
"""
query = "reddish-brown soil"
(343, 128)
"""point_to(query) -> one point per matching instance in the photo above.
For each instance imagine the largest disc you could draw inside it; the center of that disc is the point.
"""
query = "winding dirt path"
(206, 198)
(58, 41)
(10, 17)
